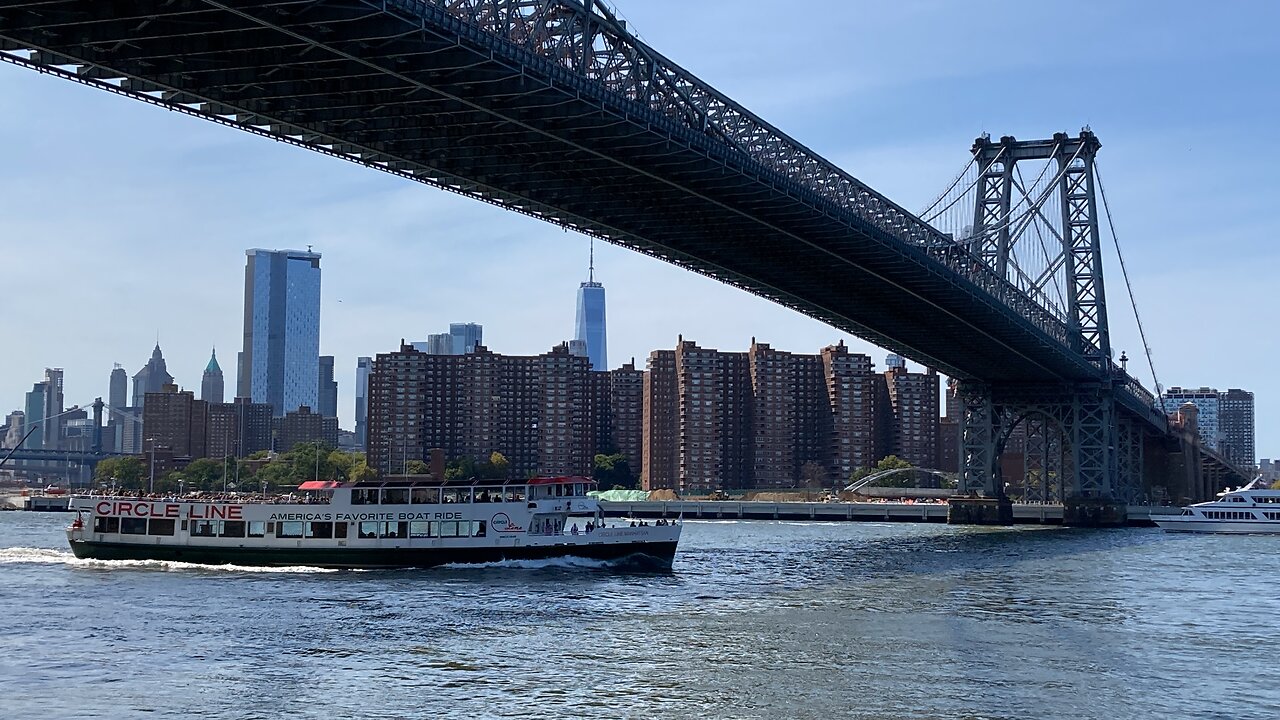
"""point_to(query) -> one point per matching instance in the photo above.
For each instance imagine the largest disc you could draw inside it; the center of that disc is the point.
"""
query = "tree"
(1275, 485)
(360, 471)
(889, 462)
(416, 467)
(613, 470)
(498, 466)
(128, 471)
(203, 474)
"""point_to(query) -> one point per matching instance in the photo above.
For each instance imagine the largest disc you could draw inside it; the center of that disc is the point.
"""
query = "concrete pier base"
(1094, 513)
(979, 511)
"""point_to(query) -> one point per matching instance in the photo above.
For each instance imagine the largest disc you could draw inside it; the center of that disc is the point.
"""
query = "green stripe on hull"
(658, 555)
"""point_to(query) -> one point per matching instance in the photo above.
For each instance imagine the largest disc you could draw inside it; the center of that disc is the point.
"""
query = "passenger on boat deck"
(575, 529)
(633, 523)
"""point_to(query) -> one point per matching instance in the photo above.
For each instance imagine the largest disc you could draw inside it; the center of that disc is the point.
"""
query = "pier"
(929, 512)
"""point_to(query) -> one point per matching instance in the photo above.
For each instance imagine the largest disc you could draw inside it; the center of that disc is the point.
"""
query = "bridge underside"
(425, 96)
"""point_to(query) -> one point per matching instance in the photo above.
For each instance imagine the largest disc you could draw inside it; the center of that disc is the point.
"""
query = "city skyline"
(1165, 114)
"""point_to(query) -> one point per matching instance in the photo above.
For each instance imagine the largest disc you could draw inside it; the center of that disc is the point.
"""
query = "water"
(758, 620)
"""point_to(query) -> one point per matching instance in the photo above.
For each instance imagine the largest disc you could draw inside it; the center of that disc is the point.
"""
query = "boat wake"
(47, 556)
(636, 562)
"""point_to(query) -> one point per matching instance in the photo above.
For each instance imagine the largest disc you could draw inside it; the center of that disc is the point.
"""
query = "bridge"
(553, 109)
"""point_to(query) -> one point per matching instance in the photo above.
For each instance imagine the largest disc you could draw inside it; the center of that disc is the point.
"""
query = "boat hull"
(1224, 527)
(646, 555)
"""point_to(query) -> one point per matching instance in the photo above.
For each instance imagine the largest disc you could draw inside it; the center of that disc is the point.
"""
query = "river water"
(757, 620)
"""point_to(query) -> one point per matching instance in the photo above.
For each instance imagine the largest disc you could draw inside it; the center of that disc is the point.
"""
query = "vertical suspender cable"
(1128, 286)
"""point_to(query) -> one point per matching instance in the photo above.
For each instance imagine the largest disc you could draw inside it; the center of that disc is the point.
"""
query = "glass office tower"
(280, 363)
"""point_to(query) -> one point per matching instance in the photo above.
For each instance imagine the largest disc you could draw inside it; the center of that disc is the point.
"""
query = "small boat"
(397, 523)
(1252, 509)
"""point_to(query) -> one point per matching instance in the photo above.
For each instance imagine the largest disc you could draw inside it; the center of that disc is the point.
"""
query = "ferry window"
(449, 529)
(232, 528)
(395, 496)
(477, 528)
(485, 495)
(321, 530)
(515, 496)
(395, 530)
(290, 529)
(106, 525)
(202, 528)
(160, 527)
(426, 496)
(420, 529)
(369, 529)
(133, 526)
(457, 495)
(340, 530)
(257, 528)
(364, 496)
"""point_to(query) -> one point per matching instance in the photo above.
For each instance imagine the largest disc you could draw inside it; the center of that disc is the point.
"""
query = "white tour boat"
(389, 524)
(1251, 509)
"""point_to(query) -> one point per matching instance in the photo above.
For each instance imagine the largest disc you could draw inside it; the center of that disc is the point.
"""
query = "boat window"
(106, 525)
(477, 528)
(515, 495)
(369, 529)
(426, 496)
(340, 530)
(395, 530)
(457, 495)
(257, 528)
(364, 496)
(1237, 499)
(1187, 512)
(133, 526)
(449, 529)
(289, 529)
(160, 527)
(203, 528)
(420, 529)
(488, 495)
(232, 528)
(320, 530)
(395, 496)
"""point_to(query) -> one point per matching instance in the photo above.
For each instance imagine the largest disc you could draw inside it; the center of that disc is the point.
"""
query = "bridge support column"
(979, 511)
(1091, 499)
(982, 500)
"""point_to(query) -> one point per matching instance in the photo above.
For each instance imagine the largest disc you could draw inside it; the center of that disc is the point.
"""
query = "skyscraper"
(118, 395)
(327, 392)
(466, 336)
(1235, 420)
(280, 362)
(211, 386)
(34, 415)
(151, 378)
(590, 326)
(363, 366)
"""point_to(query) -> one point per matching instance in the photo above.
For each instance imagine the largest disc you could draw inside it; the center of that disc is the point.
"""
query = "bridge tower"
(1043, 237)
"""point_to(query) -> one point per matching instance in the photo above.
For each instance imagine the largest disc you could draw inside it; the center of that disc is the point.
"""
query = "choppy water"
(758, 620)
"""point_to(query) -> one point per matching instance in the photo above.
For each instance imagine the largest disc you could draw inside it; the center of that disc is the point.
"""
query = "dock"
(928, 512)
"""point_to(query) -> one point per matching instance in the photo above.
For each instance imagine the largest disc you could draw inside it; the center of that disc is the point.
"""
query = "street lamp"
(151, 484)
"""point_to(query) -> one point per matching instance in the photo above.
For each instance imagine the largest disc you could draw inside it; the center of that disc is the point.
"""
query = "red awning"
(319, 485)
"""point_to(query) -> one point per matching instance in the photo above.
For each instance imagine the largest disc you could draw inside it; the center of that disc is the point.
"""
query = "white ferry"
(390, 524)
(1250, 509)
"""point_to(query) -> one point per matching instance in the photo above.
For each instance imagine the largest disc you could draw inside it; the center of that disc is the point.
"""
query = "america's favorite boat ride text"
(392, 524)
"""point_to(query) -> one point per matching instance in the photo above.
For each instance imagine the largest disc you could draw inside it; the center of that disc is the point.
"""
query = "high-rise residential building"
(626, 414)
(118, 393)
(151, 378)
(327, 392)
(303, 426)
(1206, 401)
(239, 428)
(175, 421)
(465, 337)
(53, 407)
(211, 385)
(861, 415)
(34, 413)
(1235, 421)
(363, 366)
(659, 466)
(15, 426)
(280, 362)
(437, 344)
(914, 397)
(537, 411)
(590, 325)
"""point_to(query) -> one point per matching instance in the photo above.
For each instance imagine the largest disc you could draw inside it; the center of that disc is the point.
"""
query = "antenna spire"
(591, 266)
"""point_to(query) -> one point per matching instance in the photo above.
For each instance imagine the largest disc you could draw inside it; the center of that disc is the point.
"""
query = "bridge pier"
(968, 510)
(1091, 512)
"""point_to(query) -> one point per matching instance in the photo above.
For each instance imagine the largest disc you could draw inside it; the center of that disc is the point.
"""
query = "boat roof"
(432, 481)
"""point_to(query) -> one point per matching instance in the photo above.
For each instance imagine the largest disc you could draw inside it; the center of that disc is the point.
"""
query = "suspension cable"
(1128, 286)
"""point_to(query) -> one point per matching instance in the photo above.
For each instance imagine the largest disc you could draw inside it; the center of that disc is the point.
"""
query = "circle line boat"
(1252, 509)
(387, 524)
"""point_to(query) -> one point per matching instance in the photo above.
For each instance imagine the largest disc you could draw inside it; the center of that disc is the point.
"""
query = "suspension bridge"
(552, 108)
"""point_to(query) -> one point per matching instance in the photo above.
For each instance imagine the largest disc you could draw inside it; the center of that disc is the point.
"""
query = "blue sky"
(120, 221)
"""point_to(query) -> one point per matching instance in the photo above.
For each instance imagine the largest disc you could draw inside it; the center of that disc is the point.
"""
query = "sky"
(121, 223)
